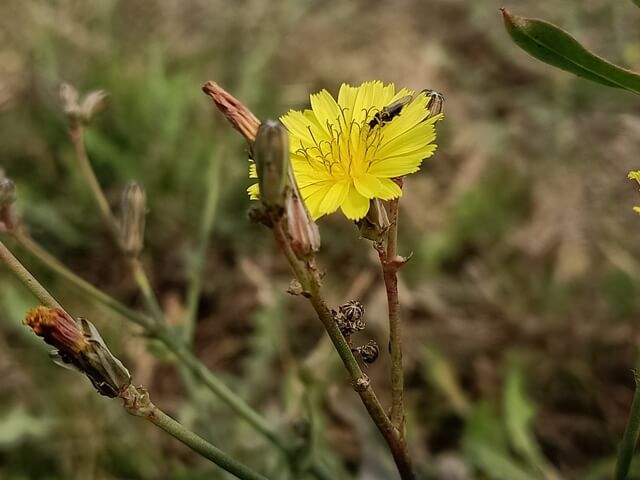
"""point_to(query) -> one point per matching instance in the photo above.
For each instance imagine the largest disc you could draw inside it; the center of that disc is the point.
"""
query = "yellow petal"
(403, 165)
(325, 109)
(334, 197)
(253, 171)
(254, 192)
(355, 206)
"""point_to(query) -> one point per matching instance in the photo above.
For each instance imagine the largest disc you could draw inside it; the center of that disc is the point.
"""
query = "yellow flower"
(343, 159)
(635, 175)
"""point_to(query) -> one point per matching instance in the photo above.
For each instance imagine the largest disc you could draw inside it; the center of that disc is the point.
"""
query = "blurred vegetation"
(519, 302)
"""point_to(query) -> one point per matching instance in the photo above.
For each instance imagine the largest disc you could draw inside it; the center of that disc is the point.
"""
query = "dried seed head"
(81, 111)
(240, 117)
(93, 104)
(271, 154)
(369, 352)
(352, 310)
(376, 223)
(134, 205)
(79, 346)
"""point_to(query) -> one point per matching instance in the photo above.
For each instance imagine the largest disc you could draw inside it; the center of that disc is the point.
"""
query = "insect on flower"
(390, 111)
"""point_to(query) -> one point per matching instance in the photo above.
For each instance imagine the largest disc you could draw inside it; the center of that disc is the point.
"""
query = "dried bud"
(8, 215)
(79, 346)
(81, 111)
(436, 103)
(70, 99)
(352, 310)
(57, 328)
(271, 154)
(302, 230)
(93, 104)
(369, 352)
(235, 112)
(134, 205)
(376, 223)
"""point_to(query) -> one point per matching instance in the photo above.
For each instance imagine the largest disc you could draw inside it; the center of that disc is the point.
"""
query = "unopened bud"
(8, 216)
(376, 223)
(271, 154)
(302, 230)
(240, 117)
(436, 103)
(79, 346)
(93, 104)
(134, 205)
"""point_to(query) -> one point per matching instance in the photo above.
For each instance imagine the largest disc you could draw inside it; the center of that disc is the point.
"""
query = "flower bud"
(240, 117)
(80, 347)
(134, 204)
(302, 230)
(271, 154)
(375, 224)
(81, 111)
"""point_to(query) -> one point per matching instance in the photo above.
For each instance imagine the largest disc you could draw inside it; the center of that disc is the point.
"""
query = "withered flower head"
(134, 206)
(235, 111)
(83, 110)
(79, 346)
(57, 328)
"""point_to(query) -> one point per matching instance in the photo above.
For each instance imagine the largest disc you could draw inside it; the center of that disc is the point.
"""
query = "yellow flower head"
(342, 157)
(635, 175)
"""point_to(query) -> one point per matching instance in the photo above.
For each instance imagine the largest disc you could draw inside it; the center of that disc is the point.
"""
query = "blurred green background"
(521, 299)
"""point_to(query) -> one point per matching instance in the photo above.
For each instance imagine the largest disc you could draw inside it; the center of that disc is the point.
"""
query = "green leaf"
(552, 45)
(637, 2)
(519, 412)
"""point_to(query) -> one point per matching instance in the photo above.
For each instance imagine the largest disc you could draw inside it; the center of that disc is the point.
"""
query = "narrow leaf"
(637, 2)
(552, 45)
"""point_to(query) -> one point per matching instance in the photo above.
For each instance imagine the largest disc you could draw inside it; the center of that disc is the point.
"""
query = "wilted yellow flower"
(635, 175)
(345, 153)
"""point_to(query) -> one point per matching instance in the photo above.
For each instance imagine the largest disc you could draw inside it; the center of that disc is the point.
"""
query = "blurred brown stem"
(308, 276)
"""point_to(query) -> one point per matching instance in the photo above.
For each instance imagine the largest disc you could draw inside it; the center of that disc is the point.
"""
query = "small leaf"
(552, 45)
(637, 2)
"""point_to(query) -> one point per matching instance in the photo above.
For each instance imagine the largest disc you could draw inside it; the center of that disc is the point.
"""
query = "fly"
(389, 112)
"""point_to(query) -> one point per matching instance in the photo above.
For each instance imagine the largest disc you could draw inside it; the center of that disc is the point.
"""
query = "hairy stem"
(306, 273)
(137, 402)
(390, 264)
(630, 438)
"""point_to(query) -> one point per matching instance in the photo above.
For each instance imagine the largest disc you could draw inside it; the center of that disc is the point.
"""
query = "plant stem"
(76, 132)
(152, 413)
(630, 438)
(137, 402)
(182, 353)
(390, 264)
(29, 280)
(198, 259)
(306, 274)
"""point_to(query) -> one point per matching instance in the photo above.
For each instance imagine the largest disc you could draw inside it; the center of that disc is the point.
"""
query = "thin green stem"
(36, 250)
(630, 438)
(76, 132)
(182, 353)
(144, 285)
(306, 274)
(25, 277)
(197, 261)
(137, 402)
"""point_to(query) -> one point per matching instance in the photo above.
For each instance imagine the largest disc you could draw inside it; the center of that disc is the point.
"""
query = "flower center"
(348, 147)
